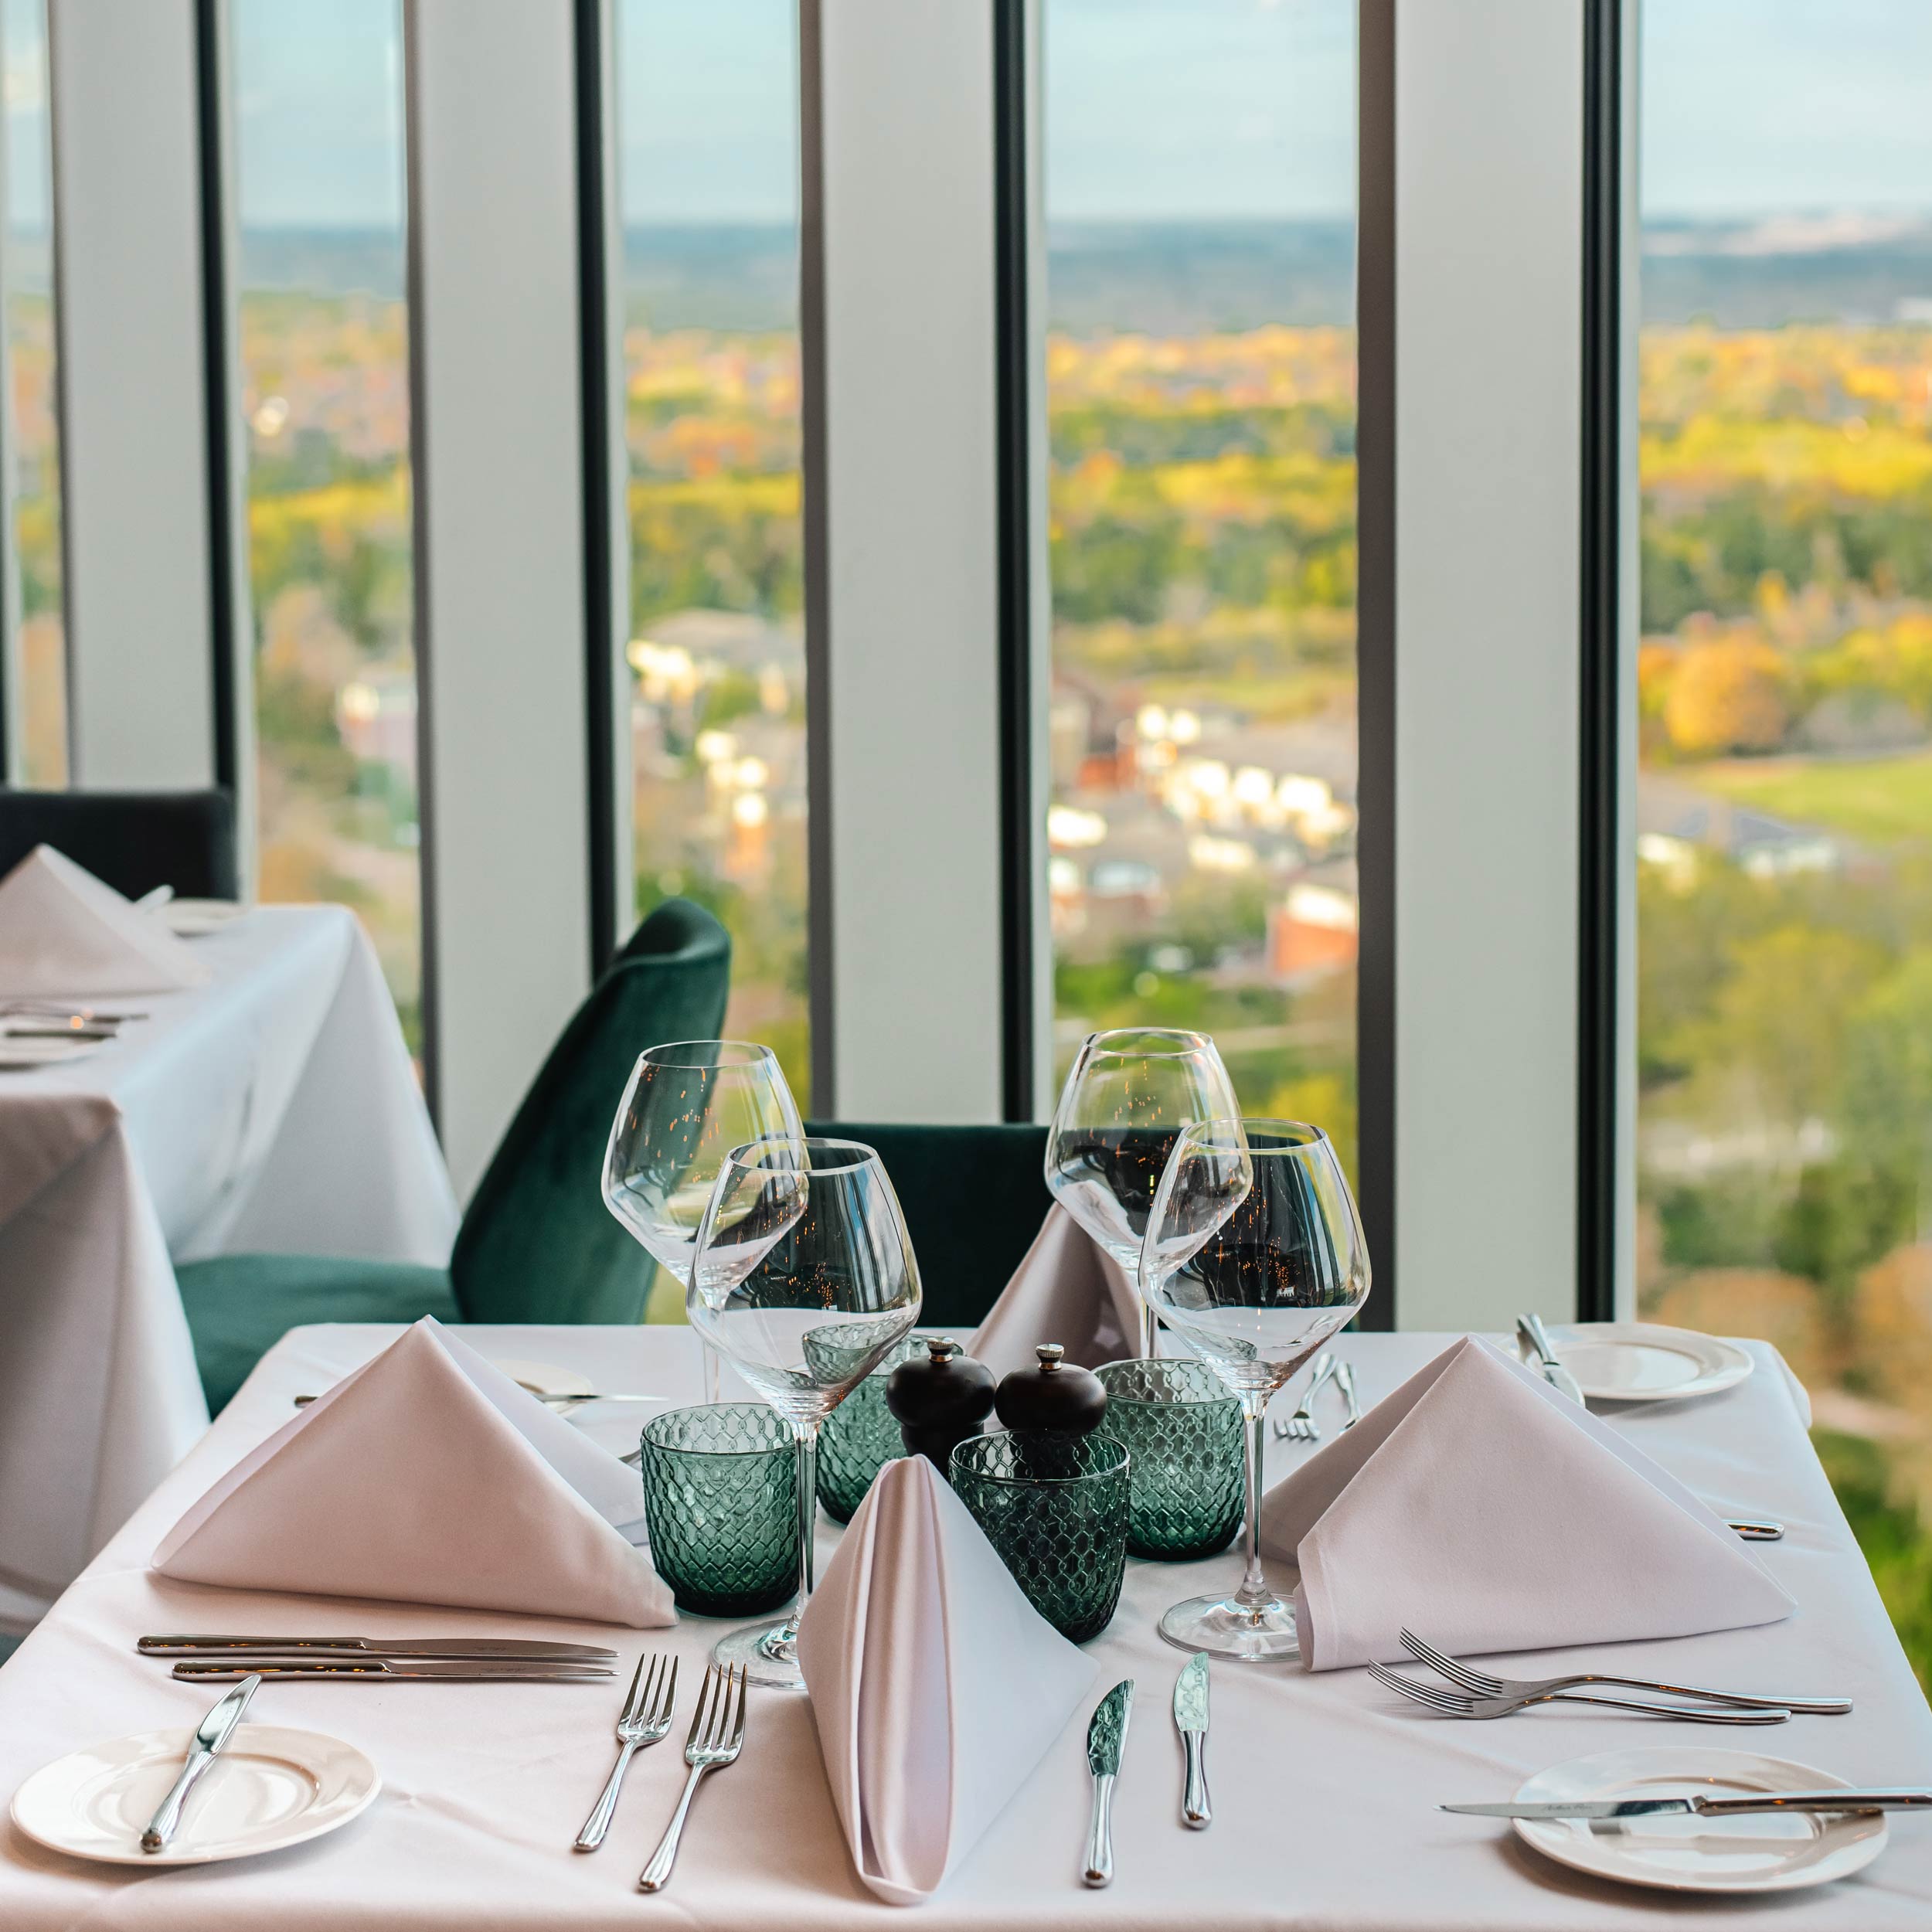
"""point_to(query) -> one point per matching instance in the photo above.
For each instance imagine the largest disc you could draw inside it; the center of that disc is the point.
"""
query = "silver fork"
(717, 1736)
(645, 1717)
(1344, 1381)
(1482, 1683)
(1301, 1426)
(1458, 1704)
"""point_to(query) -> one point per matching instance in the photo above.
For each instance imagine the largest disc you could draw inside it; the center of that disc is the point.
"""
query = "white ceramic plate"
(16, 1051)
(270, 1788)
(1639, 1362)
(196, 918)
(546, 1379)
(1768, 1852)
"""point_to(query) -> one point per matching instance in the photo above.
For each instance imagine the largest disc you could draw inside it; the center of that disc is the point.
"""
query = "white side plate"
(1639, 1362)
(17, 1051)
(1764, 1851)
(270, 1788)
(545, 1378)
(196, 918)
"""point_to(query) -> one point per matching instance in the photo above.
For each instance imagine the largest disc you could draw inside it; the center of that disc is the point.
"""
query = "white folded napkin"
(1487, 1513)
(936, 1686)
(427, 1476)
(64, 934)
(1066, 1289)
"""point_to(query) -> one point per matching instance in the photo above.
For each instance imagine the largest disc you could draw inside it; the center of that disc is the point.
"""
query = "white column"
(134, 454)
(1488, 158)
(907, 838)
(499, 557)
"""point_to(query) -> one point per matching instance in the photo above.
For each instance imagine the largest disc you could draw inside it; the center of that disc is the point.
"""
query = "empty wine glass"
(1127, 1095)
(689, 1102)
(804, 1278)
(1254, 1254)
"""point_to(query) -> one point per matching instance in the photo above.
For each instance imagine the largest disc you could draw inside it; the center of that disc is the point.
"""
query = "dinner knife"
(1888, 1798)
(504, 1649)
(449, 1669)
(1106, 1735)
(1191, 1720)
(214, 1732)
(558, 1398)
(1530, 1328)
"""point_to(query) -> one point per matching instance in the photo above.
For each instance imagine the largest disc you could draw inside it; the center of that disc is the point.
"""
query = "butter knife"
(1530, 1327)
(482, 1670)
(1191, 1720)
(504, 1649)
(216, 1730)
(1888, 1798)
(1106, 1735)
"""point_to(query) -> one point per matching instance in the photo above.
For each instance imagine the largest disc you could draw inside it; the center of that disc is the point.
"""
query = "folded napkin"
(1066, 1289)
(427, 1476)
(1487, 1513)
(936, 1686)
(65, 934)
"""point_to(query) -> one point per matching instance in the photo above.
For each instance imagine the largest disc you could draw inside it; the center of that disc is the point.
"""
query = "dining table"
(1325, 1784)
(272, 1108)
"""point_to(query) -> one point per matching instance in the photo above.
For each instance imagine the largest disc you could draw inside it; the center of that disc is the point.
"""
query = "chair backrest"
(973, 1198)
(134, 841)
(537, 1243)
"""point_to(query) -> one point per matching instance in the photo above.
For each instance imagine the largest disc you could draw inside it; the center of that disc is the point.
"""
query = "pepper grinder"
(1055, 1398)
(941, 1402)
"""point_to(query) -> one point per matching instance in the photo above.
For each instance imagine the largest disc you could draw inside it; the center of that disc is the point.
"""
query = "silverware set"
(318, 1659)
(56, 1019)
(1479, 1694)
(1106, 1740)
(1301, 1426)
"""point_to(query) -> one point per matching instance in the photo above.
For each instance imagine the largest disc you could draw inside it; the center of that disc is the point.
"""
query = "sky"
(1156, 109)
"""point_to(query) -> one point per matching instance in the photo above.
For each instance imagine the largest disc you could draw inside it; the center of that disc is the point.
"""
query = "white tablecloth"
(1323, 1786)
(273, 1109)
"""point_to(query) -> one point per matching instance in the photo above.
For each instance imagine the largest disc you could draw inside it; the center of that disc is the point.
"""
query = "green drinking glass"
(861, 1436)
(1182, 1430)
(721, 1499)
(1055, 1509)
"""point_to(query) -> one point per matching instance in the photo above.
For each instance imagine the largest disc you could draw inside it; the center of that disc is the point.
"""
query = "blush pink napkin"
(427, 1476)
(936, 1688)
(65, 934)
(1066, 1289)
(1487, 1513)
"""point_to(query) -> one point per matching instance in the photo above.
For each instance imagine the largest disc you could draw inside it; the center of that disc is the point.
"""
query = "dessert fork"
(645, 1717)
(717, 1735)
(1301, 1426)
(1459, 1704)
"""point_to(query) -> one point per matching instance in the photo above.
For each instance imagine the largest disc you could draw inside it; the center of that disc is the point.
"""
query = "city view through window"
(1784, 803)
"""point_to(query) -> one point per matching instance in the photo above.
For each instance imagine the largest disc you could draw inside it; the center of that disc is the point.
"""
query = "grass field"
(1877, 801)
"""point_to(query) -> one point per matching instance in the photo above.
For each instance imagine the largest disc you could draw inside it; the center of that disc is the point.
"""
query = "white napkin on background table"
(1487, 1513)
(64, 934)
(428, 1476)
(936, 1686)
(1066, 1289)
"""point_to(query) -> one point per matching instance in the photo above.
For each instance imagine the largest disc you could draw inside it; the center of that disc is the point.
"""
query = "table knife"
(1191, 1720)
(215, 1731)
(1106, 1735)
(503, 1648)
(1888, 1798)
(314, 1669)
(1530, 1327)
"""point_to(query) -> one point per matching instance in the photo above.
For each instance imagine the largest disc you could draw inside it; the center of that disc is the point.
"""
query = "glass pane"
(707, 108)
(1784, 803)
(1201, 379)
(325, 394)
(35, 426)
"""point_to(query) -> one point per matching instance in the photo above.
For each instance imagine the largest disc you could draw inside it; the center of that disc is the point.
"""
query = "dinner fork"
(1344, 1381)
(1482, 1683)
(717, 1735)
(1301, 1426)
(1457, 1704)
(645, 1717)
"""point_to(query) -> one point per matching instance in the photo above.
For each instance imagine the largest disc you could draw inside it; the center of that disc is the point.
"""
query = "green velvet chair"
(536, 1242)
(973, 1199)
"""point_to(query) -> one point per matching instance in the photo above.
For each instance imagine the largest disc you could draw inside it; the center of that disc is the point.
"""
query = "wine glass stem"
(1254, 1592)
(713, 1374)
(805, 1440)
(1150, 1333)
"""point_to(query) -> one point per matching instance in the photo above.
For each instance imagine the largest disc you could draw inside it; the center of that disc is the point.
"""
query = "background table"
(273, 1108)
(1323, 1785)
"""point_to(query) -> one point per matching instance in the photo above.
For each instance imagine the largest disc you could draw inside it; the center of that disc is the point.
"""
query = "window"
(1201, 374)
(325, 394)
(1784, 801)
(708, 114)
(34, 427)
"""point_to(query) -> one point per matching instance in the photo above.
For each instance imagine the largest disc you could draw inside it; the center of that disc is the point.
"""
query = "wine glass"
(689, 1102)
(1255, 1255)
(804, 1277)
(1127, 1095)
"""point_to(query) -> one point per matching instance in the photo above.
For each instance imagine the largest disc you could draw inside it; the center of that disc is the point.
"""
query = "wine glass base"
(765, 1660)
(1224, 1628)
